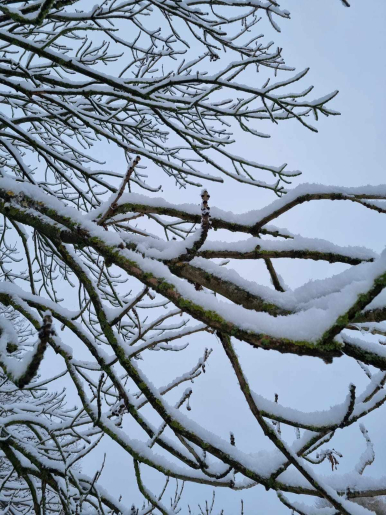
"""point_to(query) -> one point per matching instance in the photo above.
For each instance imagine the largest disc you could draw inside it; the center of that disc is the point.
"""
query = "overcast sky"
(344, 48)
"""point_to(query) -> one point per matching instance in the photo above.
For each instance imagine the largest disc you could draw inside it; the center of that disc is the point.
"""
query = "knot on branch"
(191, 251)
(46, 329)
(205, 211)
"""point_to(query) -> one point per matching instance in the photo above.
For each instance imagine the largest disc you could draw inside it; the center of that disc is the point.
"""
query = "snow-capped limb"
(369, 328)
(368, 456)
(371, 315)
(138, 203)
(42, 11)
(259, 253)
(166, 337)
(295, 248)
(188, 376)
(307, 192)
(356, 347)
(337, 416)
(303, 509)
(185, 397)
(253, 222)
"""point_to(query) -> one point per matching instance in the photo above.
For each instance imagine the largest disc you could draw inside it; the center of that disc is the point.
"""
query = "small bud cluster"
(46, 329)
(205, 210)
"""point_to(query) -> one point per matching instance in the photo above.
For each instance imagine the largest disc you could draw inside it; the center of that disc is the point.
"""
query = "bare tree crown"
(94, 261)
